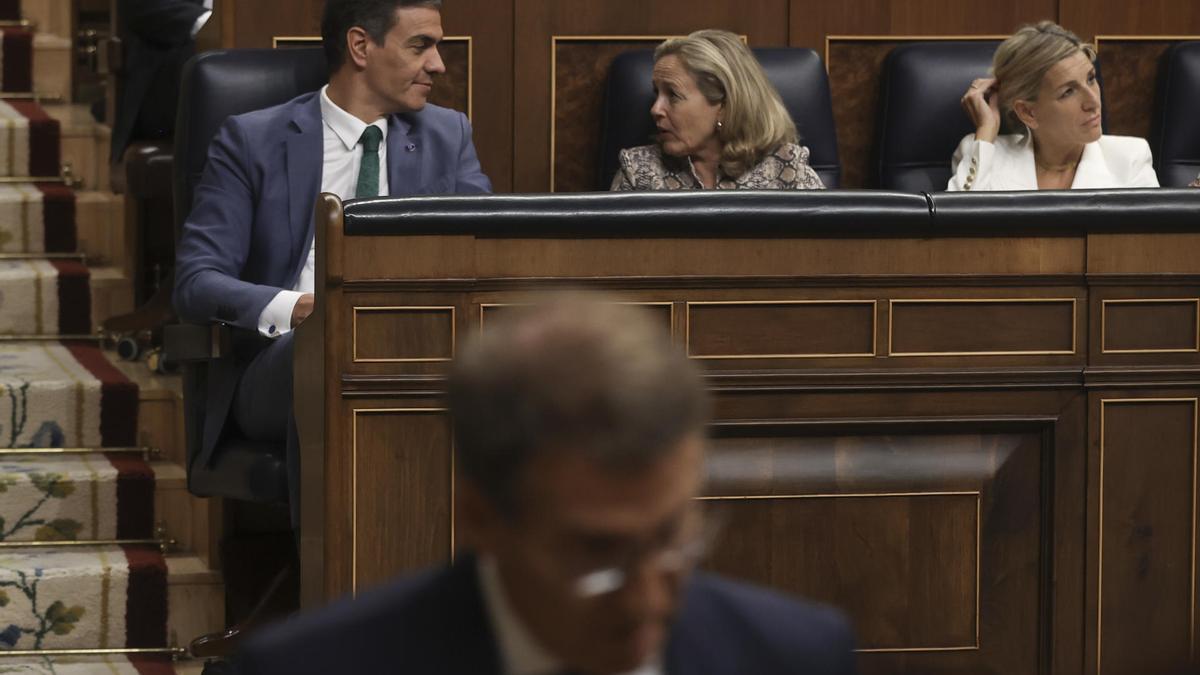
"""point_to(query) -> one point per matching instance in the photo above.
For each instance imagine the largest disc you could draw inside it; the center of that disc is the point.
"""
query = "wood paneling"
(1130, 72)
(399, 334)
(1145, 565)
(811, 22)
(780, 330)
(579, 71)
(933, 565)
(982, 326)
(401, 465)
(908, 578)
(1114, 17)
(1150, 325)
(664, 312)
(935, 498)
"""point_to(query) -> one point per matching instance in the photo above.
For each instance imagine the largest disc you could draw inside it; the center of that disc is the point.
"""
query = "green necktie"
(368, 171)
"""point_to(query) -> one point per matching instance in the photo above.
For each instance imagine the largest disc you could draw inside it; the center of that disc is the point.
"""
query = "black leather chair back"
(218, 84)
(797, 74)
(1175, 136)
(920, 119)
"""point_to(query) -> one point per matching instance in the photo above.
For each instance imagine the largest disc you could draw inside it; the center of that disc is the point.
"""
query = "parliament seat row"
(920, 121)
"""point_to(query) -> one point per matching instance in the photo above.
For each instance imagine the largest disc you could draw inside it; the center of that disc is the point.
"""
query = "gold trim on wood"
(861, 495)
(1034, 352)
(905, 38)
(163, 545)
(354, 413)
(46, 337)
(1132, 301)
(1100, 520)
(313, 40)
(687, 329)
(417, 308)
(655, 303)
(18, 653)
(79, 451)
(1142, 38)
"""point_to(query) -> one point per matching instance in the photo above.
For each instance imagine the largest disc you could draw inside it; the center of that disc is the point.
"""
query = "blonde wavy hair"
(755, 122)
(1023, 60)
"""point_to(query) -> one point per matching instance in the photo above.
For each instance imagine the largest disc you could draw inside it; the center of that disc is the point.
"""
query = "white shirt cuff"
(200, 21)
(276, 317)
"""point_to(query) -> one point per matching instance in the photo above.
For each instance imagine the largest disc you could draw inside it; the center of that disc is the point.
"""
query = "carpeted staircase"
(82, 562)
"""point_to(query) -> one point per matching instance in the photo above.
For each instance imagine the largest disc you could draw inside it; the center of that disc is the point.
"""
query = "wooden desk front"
(983, 448)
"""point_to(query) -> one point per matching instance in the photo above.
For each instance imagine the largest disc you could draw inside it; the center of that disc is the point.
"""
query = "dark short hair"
(575, 374)
(376, 17)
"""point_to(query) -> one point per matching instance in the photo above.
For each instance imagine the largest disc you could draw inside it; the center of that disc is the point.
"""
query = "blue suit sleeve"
(215, 242)
(471, 179)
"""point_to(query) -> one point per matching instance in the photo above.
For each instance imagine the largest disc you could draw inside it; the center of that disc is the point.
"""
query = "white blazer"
(1007, 164)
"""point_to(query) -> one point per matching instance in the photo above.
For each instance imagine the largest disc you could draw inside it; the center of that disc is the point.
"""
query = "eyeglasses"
(665, 558)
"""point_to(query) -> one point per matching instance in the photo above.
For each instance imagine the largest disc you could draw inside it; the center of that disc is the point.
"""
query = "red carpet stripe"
(58, 217)
(74, 297)
(118, 399)
(146, 601)
(44, 134)
(18, 60)
(135, 497)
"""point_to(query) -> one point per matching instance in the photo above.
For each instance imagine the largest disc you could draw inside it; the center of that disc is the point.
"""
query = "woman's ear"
(1026, 113)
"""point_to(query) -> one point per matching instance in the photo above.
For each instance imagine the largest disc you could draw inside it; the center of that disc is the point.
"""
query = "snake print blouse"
(646, 168)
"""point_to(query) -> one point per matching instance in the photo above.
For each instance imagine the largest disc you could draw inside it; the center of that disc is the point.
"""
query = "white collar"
(520, 653)
(345, 126)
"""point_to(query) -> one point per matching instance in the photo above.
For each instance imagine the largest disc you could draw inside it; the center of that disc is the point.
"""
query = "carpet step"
(38, 218)
(64, 395)
(100, 228)
(78, 497)
(52, 66)
(52, 17)
(85, 143)
(45, 297)
(99, 597)
(112, 294)
(30, 142)
(195, 600)
(105, 597)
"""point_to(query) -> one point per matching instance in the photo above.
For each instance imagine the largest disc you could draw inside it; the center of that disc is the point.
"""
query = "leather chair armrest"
(189, 342)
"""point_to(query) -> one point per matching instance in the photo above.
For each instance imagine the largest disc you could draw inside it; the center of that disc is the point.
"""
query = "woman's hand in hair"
(981, 102)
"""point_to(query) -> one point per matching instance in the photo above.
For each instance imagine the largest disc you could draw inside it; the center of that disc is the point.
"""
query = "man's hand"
(304, 307)
(982, 105)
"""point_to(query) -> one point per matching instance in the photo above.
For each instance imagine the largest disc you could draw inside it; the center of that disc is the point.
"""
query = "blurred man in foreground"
(579, 432)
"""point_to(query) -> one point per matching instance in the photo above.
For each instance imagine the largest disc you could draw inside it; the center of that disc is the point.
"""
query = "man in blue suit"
(579, 440)
(246, 254)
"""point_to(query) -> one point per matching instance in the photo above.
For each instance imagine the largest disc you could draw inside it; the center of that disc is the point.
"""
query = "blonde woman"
(1044, 83)
(721, 125)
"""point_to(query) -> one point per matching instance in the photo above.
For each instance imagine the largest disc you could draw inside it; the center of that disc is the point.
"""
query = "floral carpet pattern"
(66, 580)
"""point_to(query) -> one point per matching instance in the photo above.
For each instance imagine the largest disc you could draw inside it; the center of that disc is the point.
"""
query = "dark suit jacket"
(436, 624)
(157, 37)
(251, 224)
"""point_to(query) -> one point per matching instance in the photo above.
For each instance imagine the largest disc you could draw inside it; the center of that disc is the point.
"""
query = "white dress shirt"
(339, 175)
(520, 653)
(203, 18)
